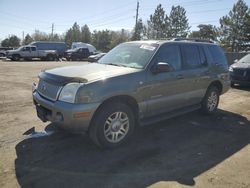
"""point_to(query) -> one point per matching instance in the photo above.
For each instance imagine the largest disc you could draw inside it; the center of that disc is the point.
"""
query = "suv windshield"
(245, 59)
(133, 55)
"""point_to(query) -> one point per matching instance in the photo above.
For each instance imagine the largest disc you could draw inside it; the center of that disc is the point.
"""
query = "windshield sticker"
(147, 47)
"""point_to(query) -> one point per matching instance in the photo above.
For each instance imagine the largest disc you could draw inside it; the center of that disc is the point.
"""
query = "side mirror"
(236, 60)
(161, 67)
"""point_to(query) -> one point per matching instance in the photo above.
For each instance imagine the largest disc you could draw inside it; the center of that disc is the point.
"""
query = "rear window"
(217, 55)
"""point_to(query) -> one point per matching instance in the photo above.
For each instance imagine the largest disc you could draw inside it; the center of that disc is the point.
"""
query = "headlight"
(68, 92)
(231, 69)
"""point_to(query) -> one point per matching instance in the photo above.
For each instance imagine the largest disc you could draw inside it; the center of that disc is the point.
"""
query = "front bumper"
(241, 79)
(74, 117)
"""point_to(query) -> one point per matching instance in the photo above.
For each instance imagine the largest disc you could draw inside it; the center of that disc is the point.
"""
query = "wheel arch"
(126, 99)
(217, 84)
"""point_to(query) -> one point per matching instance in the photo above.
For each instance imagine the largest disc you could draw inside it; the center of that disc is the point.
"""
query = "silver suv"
(136, 83)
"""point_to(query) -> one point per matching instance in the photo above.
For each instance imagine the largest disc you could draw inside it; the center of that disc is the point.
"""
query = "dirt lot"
(190, 150)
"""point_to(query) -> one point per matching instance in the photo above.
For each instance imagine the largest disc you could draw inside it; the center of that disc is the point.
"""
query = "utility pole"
(52, 30)
(137, 10)
(23, 36)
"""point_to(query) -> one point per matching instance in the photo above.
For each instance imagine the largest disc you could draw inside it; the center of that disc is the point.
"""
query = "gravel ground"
(189, 150)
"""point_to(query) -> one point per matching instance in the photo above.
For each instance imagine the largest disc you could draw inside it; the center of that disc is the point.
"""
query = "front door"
(165, 90)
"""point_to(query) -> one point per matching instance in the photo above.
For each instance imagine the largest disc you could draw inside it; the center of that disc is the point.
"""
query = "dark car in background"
(60, 47)
(95, 57)
(3, 51)
(240, 71)
(77, 54)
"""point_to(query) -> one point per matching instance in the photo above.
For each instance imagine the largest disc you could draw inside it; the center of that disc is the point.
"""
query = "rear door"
(196, 72)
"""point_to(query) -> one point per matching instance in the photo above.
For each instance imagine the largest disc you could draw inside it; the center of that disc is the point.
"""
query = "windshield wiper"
(118, 65)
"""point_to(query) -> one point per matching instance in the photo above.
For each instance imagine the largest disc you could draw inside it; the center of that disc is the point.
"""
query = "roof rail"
(192, 39)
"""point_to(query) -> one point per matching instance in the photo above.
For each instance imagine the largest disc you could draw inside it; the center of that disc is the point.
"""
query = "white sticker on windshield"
(147, 47)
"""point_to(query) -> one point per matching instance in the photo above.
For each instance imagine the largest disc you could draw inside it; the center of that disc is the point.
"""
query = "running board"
(168, 115)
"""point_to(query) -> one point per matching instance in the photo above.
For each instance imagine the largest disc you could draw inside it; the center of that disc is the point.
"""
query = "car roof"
(175, 40)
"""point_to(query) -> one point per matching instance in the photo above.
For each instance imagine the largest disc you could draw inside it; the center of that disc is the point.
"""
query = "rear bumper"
(74, 117)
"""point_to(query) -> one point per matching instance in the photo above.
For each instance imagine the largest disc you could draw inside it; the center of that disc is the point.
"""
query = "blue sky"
(18, 16)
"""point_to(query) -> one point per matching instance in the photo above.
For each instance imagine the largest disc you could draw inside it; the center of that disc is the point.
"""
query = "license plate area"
(43, 113)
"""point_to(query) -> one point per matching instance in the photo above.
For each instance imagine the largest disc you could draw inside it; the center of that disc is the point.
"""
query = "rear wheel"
(211, 100)
(232, 84)
(50, 57)
(113, 125)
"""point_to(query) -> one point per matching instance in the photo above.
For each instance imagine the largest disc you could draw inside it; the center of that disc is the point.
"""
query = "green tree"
(118, 37)
(138, 31)
(178, 22)
(12, 41)
(85, 34)
(102, 40)
(156, 27)
(73, 34)
(208, 32)
(27, 40)
(235, 27)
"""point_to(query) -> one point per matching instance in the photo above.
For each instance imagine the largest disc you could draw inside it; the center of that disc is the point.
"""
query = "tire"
(50, 57)
(113, 124)
(232, 84)
(16, 57)
(211, 100)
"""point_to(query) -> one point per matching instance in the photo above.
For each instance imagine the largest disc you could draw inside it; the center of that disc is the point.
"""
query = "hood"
(241, 65)
(70, 50)
(89, 72)
(12, 51)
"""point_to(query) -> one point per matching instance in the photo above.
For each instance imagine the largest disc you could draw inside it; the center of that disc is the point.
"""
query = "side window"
(26, 49)
(33, 48)
(191, 56)
(170, 54)
(217, 55)
(202, 56)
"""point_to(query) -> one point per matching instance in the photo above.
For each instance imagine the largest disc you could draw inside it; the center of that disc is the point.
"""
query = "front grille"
(239, 71)
(241, 74)
(48, 90)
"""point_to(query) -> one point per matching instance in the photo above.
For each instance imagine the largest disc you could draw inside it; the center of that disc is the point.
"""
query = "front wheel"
(16, 57)
(211, 100)
(113, 125)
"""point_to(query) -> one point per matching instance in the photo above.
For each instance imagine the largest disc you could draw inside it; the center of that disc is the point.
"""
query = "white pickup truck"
(30, 52)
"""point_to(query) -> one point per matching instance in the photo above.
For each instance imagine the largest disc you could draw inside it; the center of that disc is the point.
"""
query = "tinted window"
(26, 49)
(202, 56)
(33, 49)
(191, 56)
(170, 54)
(217, 55)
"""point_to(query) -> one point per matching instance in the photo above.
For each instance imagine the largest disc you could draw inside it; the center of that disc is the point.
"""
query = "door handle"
(180, 76)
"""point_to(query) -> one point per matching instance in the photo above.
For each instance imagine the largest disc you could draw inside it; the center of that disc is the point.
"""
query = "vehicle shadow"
(178, 149)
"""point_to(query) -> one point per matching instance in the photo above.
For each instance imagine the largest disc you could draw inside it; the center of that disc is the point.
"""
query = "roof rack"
(192, 39)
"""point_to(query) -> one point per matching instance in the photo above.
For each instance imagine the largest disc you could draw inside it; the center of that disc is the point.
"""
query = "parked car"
(77, 54)
(136, 83)
(91, 48)
(59, 47)
(240, 71)
(96, 57)
(3, 51)
(30, 52)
